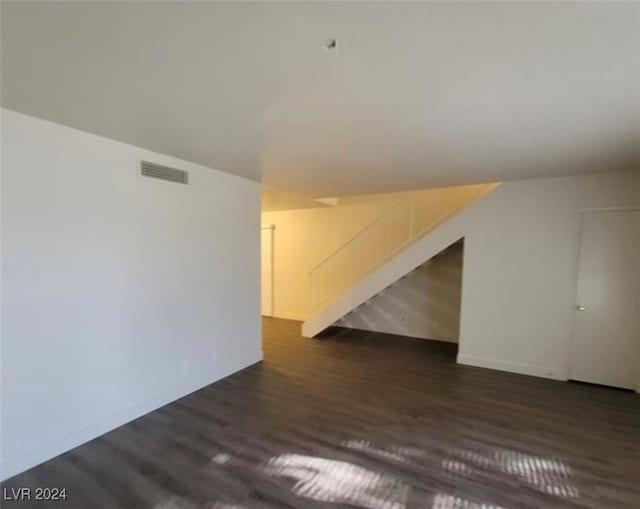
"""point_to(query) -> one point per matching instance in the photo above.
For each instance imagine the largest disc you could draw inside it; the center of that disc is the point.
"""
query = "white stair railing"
(411, 218)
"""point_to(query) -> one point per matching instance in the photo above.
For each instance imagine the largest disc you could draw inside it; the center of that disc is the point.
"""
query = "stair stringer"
(388, 273)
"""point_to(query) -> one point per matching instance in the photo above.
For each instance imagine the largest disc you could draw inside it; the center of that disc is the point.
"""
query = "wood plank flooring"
(364, 420)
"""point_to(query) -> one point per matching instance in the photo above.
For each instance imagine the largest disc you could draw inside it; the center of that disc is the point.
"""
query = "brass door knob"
(580, 307)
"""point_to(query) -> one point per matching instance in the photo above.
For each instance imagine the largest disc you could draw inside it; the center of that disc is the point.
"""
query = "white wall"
(520, 270)
(520, 267)
(120, 293)
(423, 304)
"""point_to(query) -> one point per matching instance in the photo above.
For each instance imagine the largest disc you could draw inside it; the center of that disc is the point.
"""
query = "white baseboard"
(19, 464)
(515, 367)
(290, 316)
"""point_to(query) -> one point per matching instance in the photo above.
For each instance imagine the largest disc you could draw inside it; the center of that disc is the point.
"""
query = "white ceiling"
(416, 94)
(274, 199)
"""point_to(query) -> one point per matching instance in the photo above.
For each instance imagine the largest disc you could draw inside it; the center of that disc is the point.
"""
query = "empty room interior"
(316, 255)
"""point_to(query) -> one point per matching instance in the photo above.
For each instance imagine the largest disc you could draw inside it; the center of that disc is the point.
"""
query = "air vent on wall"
(163, 172)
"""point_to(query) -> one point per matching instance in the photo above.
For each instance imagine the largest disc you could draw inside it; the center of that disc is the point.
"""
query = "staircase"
(382, 253)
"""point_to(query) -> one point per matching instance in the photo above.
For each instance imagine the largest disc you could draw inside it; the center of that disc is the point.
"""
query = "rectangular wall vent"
(163, 172)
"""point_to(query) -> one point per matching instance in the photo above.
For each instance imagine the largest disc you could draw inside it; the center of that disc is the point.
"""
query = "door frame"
(582, 212)
(271, 227)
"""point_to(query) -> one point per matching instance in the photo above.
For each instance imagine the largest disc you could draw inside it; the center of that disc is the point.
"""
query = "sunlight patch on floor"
(442, 501)
(221, 458)
(339, 482)
(543, 474)
(395, 453)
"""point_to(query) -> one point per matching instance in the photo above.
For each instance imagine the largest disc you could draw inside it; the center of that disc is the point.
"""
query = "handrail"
(403, 223)
(357, 235)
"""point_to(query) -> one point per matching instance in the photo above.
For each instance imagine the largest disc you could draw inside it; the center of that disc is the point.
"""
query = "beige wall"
(305, 237)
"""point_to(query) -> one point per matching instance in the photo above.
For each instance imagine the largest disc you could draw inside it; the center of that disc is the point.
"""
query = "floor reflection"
(339, 482)
(543, 474)
(442, 501)
(395, 453)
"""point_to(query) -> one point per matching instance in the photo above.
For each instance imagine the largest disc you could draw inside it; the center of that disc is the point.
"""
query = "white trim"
(515, 367)
(271, 227)
(290, 316)
(30, 459)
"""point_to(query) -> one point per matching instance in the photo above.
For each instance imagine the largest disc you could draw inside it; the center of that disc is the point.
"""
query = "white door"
(266, 270)
(606, 343)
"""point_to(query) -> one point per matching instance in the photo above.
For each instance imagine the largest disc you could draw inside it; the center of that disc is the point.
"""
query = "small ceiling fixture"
(331, 44)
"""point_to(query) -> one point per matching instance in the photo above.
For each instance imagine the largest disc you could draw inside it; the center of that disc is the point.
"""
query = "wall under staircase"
(425, 303)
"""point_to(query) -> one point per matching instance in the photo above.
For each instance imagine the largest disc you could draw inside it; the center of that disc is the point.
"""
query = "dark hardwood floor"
(358, 419)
